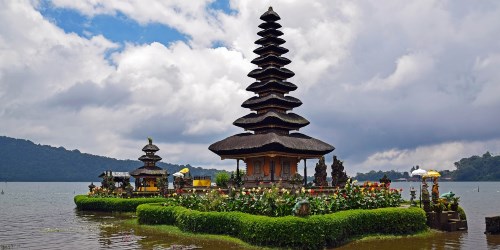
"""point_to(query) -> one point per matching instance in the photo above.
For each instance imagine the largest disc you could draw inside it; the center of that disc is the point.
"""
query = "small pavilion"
(146, 176)
(271, 152)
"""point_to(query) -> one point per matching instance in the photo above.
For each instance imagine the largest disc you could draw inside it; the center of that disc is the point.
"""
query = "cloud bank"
(390, 84)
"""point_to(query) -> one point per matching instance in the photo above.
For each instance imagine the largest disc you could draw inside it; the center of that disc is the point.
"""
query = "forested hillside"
(474, 168)
(22, 160)
(477, 168)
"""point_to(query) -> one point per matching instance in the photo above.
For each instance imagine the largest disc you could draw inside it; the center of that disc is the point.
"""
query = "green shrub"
(222, 179)
(83, 202)
(461, 212)
(313, 232)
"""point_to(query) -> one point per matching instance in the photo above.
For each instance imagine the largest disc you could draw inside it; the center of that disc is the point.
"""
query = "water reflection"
(43, 216)
(493, 241)
(438, 241)
(115, 232)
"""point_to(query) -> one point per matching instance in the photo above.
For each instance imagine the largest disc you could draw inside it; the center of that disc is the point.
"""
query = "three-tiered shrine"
(146, 176)
(271, 152)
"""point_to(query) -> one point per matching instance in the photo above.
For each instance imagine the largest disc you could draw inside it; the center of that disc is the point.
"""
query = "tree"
(221, 179)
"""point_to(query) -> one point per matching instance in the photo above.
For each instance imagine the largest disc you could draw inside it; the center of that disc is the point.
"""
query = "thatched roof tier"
(271, 119)
(270, 16)
(149, 158)
(271, 25)
(270, 40)
(270, 49)
(271, 101)
(270, 32)
(246, 143)
(150, 148)
(271, 72)
(148, 171)
(270, 60)
(273, 85)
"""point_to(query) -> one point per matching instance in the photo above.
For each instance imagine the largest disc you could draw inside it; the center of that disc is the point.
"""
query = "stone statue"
(339, 176)
(320, 173)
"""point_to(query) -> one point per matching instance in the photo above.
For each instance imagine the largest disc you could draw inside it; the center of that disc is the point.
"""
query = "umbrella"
(448, 195)
(419, 171)
(184, 170)
(432, 173)
(178, 174)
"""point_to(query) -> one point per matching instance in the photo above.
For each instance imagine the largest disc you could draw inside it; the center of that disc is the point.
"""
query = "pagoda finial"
(150, 140)
(270, 8)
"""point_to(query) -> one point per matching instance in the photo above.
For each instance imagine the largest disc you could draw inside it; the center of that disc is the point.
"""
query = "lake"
(42, 215)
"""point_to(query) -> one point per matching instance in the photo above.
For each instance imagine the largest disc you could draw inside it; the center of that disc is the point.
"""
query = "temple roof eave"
(247, 144)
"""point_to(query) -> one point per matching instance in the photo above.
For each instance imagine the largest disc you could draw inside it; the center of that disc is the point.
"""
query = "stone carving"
(302, 208)
(339, 176)
(320, 174)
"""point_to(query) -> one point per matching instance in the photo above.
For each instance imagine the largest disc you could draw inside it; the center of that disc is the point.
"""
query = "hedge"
(313, 232)
(84, 202)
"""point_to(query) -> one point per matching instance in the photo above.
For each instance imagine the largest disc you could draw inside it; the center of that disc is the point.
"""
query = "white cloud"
(390, 84)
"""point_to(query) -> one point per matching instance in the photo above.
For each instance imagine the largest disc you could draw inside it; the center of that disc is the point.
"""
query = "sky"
(390, 84)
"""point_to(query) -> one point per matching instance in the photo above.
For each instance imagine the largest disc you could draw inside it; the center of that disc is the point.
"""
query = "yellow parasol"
(184, 170)
(432, 173)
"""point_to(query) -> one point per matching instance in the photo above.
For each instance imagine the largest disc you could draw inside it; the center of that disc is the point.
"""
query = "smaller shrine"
(116, 179)
(147, 176)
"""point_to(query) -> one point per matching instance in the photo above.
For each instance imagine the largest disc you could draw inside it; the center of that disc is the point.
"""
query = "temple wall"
(261, 167)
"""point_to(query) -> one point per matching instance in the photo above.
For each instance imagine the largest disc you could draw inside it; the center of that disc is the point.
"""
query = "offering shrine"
(146, 177)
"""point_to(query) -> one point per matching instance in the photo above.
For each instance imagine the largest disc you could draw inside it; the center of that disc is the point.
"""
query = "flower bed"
(110, 204)
(280, 202)
(312, 232)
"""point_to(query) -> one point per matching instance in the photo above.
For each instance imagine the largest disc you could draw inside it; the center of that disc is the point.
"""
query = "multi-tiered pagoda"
(146, 176)
(271, 152)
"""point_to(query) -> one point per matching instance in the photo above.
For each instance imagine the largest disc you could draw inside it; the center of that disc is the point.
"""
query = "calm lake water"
(36, 215)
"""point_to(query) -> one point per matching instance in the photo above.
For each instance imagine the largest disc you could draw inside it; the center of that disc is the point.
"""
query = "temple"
(271, 153)
(147, 175)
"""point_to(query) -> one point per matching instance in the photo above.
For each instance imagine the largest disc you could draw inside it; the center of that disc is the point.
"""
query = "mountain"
(23, 160)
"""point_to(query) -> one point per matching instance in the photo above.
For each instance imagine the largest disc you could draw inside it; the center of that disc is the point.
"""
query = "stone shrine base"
(446, 221)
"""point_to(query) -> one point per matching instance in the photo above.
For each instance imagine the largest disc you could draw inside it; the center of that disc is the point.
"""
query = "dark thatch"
(280, 73)
(266, 26)
(283, 87)
(272, 100)
(271, 59)
(271, 117)
(271, 48)
(148, 158)
(270, 16)
(270, 40)
(150, 148)
(270, 32)
(151, 171)
(247, 143)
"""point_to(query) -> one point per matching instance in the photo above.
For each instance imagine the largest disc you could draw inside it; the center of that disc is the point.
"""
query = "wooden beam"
(305, 173)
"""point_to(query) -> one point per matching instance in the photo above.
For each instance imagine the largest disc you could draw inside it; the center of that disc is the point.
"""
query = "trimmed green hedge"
(313, 232)
(83, 202)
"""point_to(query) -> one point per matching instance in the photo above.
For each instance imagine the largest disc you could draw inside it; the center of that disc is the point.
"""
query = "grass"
(422, 234)
(173, 231)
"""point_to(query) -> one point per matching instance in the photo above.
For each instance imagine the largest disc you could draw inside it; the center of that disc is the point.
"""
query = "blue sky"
(390, 84)
(119, 28)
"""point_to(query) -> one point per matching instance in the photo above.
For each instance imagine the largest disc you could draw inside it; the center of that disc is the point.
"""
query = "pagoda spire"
(271, 122)
(271, 103)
